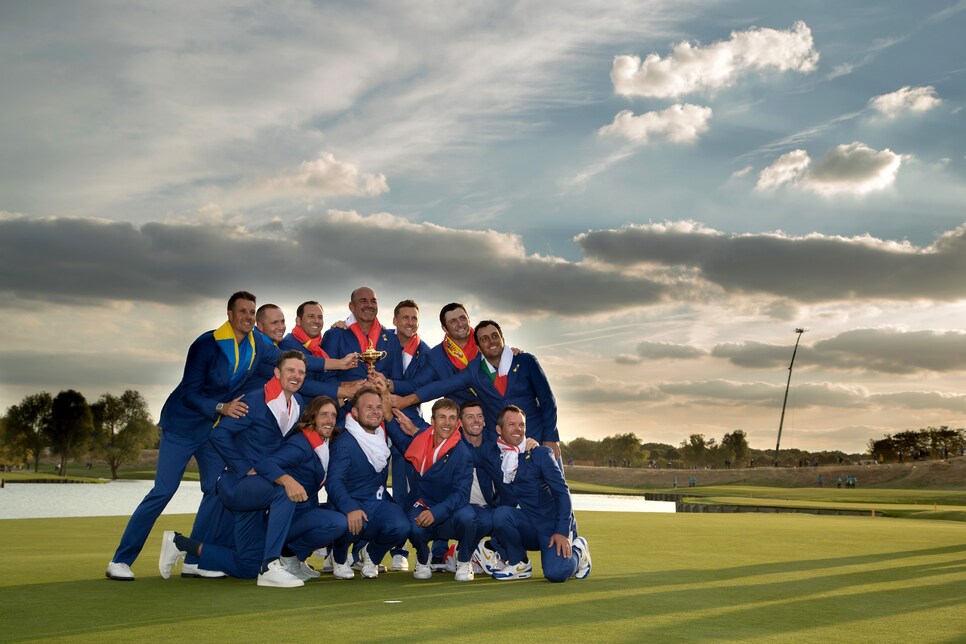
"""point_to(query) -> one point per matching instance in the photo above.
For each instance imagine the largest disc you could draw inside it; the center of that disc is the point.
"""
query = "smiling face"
(457, 324)
(406, 322)
(311, 320)
(291, 374)
(272, 324)
(513, 431)
(324, 421)
(364, 305)
(445, 422)
(490, 342)
(472, 421)
(241, 317)
(368, 411)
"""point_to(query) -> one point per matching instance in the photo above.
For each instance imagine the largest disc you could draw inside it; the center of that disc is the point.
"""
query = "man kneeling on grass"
(544, 519)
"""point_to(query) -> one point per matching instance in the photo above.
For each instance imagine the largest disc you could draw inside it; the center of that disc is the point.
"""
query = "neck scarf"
(238, 354)
(286, 412)
(313, 345)
(460, 357)
(321, 448)
(509, 459)
(409, 351)
(364, 339)
(498, 378)
(372, 445)
(423, 454)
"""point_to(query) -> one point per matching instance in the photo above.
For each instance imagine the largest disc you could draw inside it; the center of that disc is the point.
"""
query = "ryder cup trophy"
(370, 356)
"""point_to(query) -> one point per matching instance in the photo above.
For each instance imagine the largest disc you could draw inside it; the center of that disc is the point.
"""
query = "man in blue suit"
(356, 485)
(439, 468)
(501, 378)
(544, 520)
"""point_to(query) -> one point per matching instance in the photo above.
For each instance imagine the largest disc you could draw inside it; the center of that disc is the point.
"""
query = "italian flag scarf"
(239, 355)
(509, 459)
(313, 345)
(321, 448)
(498, 377)
(286, 412)
(409, 351)
(364, 339)
(423, 454)
(460, 357)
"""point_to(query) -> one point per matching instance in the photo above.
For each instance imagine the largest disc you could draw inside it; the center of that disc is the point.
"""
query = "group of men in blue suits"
(239, 412)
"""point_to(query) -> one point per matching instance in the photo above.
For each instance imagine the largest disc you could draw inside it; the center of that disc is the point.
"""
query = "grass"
(666, 578)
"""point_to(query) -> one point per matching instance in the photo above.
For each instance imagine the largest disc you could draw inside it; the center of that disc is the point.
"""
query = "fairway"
(683, 577)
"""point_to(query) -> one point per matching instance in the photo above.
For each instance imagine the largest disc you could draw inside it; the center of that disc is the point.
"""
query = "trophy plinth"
(370, 356)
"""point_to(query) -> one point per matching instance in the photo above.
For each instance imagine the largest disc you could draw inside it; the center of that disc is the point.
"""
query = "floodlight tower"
(787, 385)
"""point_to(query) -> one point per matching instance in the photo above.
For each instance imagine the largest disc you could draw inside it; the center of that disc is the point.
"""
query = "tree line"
(916, 444)
(113, 428)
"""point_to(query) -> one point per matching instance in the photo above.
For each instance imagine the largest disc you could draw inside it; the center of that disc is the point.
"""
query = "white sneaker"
(487, 558)
(399, 562)
(328, 565)
(277, 576)
(521, 570)
(299, 569)
(423, 570)
(464, 571)
(193, 571)
(584, 566)
(119, 572)
(343, 571)
(450, 559)
(169, 554)
(369, 569)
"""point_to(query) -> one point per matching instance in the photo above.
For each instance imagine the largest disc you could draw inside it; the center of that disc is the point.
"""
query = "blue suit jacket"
(245, 441)
(487, 486)
(445, 487)
(418, 373)
(339, 343)
(527, 388)
(296, 458)
(352, 479)
(539, 488)
(324, 383)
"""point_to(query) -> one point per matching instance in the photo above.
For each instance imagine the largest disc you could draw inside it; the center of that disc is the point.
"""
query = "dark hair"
(508, 408)
(470, 403)
(260, 313)
(445, 403)
(311, 411)
(289, 355)
(362, 392)
(480, 325)
(452, 306)
(301, 309)
(404, 304)
(240, 295)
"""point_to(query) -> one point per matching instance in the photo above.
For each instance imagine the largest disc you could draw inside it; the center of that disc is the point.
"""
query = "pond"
(119, 498)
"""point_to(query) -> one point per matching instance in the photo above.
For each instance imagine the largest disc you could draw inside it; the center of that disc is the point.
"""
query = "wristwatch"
(219, 407)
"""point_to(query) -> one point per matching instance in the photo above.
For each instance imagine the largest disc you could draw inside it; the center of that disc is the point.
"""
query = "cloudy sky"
(649, 195)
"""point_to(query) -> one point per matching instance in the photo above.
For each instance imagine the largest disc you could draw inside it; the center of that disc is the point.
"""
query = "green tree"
(695, 450)
(122, 427)
(26, 423)
(621, 448)
(884, 447)
(70, 426)
(736, 445)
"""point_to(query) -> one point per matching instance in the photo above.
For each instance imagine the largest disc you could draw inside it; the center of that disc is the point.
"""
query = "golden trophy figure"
(370, 356)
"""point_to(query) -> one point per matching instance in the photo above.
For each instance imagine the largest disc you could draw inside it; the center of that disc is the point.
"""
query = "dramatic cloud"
(730, 392)
(662, 351)
(678, 124)
(692, 68)
(87, 259)
(328, 177)
(882, 350)
(854, 169)
(811, 268)
(907, 99)
(111, 371)
(588, 388)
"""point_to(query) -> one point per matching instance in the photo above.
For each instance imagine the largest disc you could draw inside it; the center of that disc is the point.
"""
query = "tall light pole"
(787, 385)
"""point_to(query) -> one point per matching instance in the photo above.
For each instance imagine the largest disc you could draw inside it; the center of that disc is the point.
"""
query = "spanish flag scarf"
(409, 351)
(460, 357)
(313, 345)
(321, 448)
(238, 354)
(423, 454)
(286, 412)
(498, 377)
(364, 339)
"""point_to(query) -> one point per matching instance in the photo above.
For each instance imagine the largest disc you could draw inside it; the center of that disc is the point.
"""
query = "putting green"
(683, 577)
